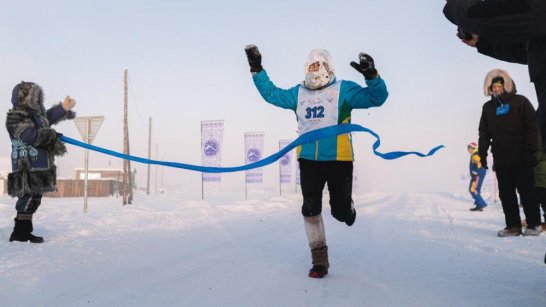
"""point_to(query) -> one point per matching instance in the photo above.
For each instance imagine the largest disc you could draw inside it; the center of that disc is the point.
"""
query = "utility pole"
(127, 180)
(157, 158)
(149, 155)
(88, 127)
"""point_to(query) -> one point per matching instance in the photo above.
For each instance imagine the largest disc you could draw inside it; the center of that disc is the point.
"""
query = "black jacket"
(513, 137)
(509, 30)
(509, 21)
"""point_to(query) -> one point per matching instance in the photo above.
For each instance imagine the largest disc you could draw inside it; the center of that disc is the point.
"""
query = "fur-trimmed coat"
(34, 144)
(513, 135)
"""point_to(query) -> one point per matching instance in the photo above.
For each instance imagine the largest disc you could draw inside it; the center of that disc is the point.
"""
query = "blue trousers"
(478, 200)
(28, 203)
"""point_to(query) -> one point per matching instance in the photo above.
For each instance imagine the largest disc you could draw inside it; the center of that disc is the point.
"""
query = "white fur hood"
(509, 85)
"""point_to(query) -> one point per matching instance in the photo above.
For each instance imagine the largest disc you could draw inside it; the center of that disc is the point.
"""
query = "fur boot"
(22, 231)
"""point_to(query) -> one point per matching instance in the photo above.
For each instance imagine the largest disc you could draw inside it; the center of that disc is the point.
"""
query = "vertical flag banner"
(211, 147)
(254, 148)
(285, 163)
(298, 178)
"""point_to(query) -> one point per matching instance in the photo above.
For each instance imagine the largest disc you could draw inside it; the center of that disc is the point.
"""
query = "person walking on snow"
(477, 175)
(34, 145)
(320, 101)
(508, 125)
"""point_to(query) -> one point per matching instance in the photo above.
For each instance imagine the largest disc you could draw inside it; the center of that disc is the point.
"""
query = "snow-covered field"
(173, 250)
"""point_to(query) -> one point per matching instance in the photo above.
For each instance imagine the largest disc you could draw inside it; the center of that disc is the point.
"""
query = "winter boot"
(320, 262)
(509, 232)
(351, 220)
(23, 228)
(533, 231)
(314, 228)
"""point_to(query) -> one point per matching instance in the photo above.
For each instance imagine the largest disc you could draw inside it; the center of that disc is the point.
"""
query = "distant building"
(100, 183)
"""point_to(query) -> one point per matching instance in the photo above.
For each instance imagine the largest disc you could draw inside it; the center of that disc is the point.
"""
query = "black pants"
(520, 179)
(339, 177)
(540, 87)
(28, 203)
(541, 195)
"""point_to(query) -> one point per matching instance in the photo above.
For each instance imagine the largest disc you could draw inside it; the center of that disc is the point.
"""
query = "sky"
(187, 64)
(409, 249)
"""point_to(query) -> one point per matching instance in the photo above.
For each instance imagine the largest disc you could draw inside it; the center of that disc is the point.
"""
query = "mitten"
(366, 66)
(69, 103)
(254, 58)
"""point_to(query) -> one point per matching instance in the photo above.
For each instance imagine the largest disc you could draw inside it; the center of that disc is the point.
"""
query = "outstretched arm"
(375, 94)
(286, 99)
(61, 111)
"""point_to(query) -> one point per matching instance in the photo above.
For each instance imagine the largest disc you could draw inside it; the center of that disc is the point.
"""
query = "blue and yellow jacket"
(351, 96)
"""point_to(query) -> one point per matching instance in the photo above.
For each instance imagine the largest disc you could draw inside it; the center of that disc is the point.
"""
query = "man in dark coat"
(508, 30)
(34, 145)
(508, 126)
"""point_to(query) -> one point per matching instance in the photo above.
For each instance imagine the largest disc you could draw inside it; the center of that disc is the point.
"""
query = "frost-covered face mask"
(317, 78)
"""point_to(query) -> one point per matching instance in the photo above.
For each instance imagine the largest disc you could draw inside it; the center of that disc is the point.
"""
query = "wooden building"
(100, 183)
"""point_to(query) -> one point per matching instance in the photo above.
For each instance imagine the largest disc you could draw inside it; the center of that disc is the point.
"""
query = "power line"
(133, 100)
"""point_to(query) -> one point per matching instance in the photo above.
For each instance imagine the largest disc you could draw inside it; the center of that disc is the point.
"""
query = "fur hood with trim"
(509, 85)
(28, 96)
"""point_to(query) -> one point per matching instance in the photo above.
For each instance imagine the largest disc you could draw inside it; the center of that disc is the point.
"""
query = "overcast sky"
(186, 64)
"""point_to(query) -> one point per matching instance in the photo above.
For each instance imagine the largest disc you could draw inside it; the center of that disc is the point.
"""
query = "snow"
(172, 249)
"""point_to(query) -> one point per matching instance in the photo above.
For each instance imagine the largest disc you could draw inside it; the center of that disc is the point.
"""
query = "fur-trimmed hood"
(28, 96)
(509, 85)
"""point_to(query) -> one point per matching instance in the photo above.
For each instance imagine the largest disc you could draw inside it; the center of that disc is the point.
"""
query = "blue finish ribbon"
(302, 139)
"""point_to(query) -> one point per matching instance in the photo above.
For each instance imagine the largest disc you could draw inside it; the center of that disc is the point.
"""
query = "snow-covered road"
(165, 250)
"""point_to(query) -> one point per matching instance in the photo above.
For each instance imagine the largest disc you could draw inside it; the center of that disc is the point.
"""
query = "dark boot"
(351, 220)
(22, 230)
(320, 262)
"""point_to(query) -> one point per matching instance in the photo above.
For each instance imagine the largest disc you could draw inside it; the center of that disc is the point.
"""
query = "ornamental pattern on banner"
(211, 147)
(285, 162)
(254, 148)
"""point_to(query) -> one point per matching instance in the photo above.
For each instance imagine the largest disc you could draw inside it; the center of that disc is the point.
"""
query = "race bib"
(317, 109)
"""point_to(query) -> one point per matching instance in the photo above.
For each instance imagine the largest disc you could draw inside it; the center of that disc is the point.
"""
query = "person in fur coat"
(508, 126)
(34, 147)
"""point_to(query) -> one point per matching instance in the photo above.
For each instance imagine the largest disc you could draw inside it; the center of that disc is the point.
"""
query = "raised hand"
(68, 103)
(254, 58)
(366, 66)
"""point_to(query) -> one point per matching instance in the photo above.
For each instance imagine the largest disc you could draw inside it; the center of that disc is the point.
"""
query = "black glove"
(254, 58)
(366, 66)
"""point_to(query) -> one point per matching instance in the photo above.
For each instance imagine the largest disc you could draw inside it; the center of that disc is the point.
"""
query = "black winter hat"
(499, 80)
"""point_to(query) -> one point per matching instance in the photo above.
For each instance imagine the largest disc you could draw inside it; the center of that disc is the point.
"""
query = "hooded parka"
(512, 136)
(34, 143)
